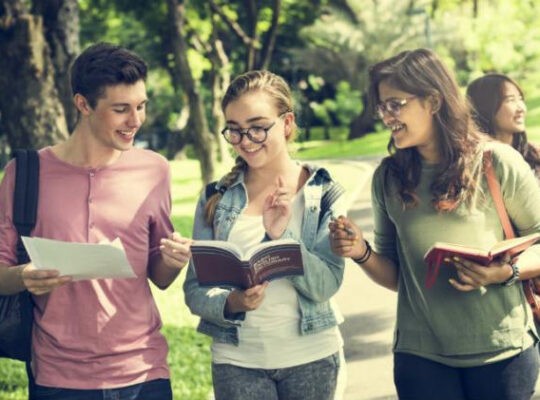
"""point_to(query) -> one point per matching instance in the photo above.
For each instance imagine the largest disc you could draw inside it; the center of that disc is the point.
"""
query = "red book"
(220, 263)
(436, 254)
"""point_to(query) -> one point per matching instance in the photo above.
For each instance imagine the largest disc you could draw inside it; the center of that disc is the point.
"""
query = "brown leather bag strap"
(495, 189)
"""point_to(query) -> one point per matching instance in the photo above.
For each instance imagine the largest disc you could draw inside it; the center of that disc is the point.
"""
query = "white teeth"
(251, 150)
(127, 133)
(396, 127)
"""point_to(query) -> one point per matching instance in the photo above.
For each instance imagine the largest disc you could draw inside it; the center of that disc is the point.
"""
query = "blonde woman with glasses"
(280, 339)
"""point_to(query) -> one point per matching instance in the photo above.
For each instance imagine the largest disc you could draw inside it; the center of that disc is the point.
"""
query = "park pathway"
(368, 309)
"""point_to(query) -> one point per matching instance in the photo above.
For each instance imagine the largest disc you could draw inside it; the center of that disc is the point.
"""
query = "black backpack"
(16, 311)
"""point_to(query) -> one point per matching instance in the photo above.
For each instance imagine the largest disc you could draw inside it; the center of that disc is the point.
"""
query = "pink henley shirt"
(101, 333)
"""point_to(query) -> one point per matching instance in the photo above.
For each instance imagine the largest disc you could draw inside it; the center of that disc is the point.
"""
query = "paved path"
(369, 309)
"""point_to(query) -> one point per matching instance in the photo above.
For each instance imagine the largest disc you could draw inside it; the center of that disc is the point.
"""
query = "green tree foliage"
(350, 36)
(503, 36)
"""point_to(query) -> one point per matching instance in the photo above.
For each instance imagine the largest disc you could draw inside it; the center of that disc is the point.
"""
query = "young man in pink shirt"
(100, 338)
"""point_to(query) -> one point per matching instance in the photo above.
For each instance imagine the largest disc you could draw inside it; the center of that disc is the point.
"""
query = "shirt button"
(92, 174)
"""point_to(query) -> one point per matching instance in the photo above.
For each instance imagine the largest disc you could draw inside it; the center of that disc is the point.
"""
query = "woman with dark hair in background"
(499, 110)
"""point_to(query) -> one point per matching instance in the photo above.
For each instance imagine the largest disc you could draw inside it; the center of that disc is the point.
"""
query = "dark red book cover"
(219, 263)
(437, 253)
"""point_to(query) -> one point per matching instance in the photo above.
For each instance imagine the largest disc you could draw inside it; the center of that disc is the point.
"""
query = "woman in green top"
(471, 335)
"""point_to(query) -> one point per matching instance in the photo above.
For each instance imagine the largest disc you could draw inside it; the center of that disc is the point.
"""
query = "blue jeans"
(159, 389)
(312, 381)
(417, 378)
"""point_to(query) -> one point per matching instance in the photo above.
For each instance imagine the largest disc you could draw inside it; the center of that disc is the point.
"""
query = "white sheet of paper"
(80, 260)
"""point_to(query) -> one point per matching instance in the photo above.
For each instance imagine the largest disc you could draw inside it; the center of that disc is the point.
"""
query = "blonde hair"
(252, 81)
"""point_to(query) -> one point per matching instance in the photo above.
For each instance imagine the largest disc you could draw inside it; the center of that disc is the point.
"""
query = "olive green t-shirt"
(443, 324)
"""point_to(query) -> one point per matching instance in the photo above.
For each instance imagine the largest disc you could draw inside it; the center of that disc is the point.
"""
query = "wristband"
(365, 256)
(515, 275)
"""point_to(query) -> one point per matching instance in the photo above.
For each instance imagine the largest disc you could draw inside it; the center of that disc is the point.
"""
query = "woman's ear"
(289, 124)
(435, 102)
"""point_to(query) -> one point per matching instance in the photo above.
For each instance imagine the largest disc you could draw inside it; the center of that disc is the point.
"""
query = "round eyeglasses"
(391, 106)
(257, 134)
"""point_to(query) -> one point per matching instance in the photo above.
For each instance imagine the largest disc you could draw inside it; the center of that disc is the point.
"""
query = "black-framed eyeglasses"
(392, 106)
(257, 134)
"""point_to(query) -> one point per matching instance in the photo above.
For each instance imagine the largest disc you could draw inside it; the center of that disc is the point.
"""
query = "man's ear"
(435, 102)
(81, 104)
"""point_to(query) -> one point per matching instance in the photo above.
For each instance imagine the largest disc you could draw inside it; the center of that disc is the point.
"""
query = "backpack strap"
(211, 189)
(333, 191)
(25, 197)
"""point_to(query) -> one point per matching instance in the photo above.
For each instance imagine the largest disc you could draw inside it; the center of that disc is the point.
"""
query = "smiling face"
(510, 117)
(257, 109)
(117, 116)
(413, 125)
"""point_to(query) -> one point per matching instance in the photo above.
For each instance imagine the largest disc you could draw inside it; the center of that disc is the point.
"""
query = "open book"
(436, 254)
(220, 263)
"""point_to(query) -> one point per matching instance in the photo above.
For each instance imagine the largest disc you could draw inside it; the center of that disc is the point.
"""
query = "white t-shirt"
(269, 337)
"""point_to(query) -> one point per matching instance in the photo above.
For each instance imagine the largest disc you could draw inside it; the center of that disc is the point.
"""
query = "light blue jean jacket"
(323, 270)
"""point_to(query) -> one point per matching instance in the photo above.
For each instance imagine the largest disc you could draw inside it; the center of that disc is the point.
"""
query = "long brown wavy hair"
(486, 95)
(421, 73)
(258, 80)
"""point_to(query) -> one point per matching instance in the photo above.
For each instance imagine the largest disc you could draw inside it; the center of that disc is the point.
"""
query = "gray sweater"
(460, 329)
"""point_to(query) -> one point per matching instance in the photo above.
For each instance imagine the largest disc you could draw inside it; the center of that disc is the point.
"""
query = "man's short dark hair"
(102, 65)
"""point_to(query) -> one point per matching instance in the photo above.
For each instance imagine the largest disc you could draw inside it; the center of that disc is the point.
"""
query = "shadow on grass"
(189, 362)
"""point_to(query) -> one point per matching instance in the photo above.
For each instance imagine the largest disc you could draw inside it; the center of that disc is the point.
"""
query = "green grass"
(368, 145)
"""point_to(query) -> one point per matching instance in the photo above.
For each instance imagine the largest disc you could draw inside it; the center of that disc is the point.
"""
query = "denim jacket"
(323, 270)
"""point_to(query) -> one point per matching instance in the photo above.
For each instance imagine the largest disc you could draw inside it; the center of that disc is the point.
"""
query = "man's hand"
(42, 281)
(175, 251)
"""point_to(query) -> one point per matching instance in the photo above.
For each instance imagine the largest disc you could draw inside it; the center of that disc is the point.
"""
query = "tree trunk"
(32, 115)
(270, 37)
(363, 123)
(251, 21)
(220, 79)
(197, 125)
(177, 139)
(61, 21)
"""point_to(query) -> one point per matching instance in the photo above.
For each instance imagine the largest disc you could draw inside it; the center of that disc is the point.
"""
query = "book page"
(221, 244)
(270, 243)
(519, 244)
(80, 260)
